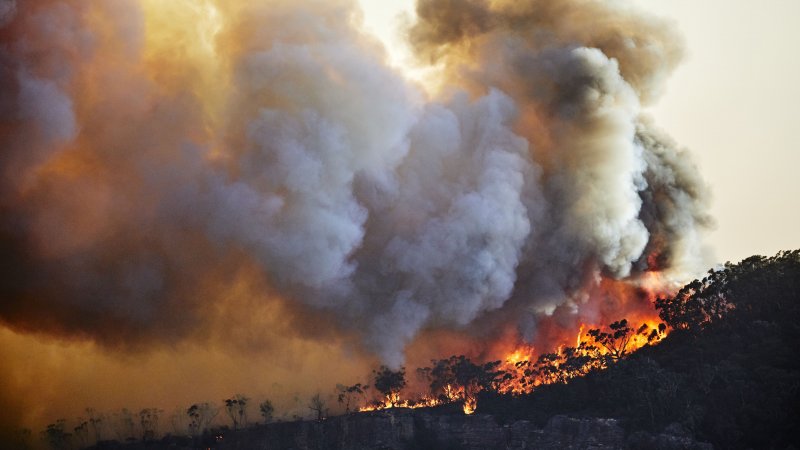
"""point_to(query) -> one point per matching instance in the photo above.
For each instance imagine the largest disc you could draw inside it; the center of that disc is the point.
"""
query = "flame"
(470, 404)
(523, 353)
(390, 402)
(613, 300)
(452, 394)
(570, 351)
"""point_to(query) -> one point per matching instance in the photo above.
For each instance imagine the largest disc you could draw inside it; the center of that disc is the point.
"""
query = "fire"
(470, 404)
(389, 402)
(616, 320)
(523, 353)
(452, 394)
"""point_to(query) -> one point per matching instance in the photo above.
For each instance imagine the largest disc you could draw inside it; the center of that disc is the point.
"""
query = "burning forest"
(202, 196)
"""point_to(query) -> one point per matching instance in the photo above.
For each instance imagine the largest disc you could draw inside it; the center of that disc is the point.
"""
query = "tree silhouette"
(148, 419)
(458, 378)
(125, 425)
(55, 436)
(350, 394)
(616, 341)
(81, 432)
(390, 382)
(266, 409)
(317, 405)
(236, 408)
(200, 417)
(95, 422)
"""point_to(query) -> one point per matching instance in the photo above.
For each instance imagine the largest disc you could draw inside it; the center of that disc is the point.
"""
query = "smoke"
(156, 155)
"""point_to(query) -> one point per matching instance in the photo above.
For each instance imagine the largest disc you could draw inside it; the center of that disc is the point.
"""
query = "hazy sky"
(733, 103)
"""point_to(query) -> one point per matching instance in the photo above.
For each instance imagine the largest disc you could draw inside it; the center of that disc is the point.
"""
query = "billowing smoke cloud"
(155, 154)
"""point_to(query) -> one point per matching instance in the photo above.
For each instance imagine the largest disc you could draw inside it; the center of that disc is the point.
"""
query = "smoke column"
(227, 172)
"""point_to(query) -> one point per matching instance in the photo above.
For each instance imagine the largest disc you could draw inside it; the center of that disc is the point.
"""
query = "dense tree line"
(728, 373)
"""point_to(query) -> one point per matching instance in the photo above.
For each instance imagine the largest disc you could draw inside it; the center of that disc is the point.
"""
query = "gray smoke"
(148, 164)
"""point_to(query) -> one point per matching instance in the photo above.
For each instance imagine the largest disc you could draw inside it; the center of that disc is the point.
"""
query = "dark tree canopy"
(728, 373)
(390, 382)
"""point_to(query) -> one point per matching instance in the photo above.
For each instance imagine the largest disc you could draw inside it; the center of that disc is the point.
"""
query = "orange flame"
(575, 351)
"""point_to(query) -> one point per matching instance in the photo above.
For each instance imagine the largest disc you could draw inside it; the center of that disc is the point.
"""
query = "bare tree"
(148, 419)
(317, 405)
(266, 410)
(236, 407)
(96, 423)
(81, 432)
(55, 436)
(124, 425)
(348, 395)
(178, 421)
(200, 417)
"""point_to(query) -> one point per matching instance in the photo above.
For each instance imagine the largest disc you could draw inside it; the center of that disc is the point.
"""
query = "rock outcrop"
(401, 429)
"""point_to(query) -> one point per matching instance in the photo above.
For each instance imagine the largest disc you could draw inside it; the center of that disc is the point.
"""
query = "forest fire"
(257, 179)
(624, 320)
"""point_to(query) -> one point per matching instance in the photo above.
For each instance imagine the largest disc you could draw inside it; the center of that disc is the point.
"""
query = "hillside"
(727, 374)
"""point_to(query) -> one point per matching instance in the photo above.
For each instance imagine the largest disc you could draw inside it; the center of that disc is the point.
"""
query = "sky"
(732, 102)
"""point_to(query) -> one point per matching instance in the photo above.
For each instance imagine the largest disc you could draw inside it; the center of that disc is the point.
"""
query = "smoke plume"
(242, 171)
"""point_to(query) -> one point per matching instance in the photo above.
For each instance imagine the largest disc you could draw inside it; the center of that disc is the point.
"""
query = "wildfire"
(470, 404)
(522, 353)
(452, 394)
(396, 402)
(593, 350)
(622, 321)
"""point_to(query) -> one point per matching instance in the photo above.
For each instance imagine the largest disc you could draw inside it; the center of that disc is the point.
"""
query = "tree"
(148, 419)
(390, 382)
(616, 341)
(349, 394)
(236, 407)
(125, 425)
(579, 361)
(95, 422)
(266, 410)
(177, 421)
(81, 432)
(458, 378)
(55, 436)
(755, 287)
(200, 417)
(317, 405)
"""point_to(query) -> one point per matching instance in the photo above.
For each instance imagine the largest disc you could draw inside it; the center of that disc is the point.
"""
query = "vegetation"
(350, 395)
(236, 408)
(728, 373)
(318, 406)
(390, 382)
(266, 409)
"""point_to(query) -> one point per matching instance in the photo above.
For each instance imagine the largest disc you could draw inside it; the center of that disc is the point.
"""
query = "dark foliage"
(236, 408)
(728, 372)
(350, 395)
(390, 382)
(458, 377)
